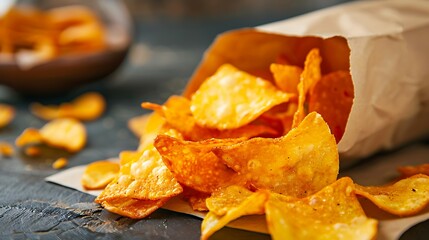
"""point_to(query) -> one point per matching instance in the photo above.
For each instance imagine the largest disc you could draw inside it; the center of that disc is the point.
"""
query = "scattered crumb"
(6, 149)
(33, 151)
(60, 163)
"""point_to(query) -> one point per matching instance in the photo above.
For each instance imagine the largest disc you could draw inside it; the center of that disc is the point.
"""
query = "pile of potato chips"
(242, 145)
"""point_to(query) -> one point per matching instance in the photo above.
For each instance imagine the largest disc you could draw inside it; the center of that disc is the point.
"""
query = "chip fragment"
(7, 113)
(133, 208)
(226, 198)
(60, 163)
(408, 171)
(6, 149)
(286, 77)
(98, 174)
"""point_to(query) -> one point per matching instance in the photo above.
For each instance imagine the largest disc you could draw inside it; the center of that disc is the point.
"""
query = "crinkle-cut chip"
(405, 197)
(146, 178)
(28, 136)
(332, 213)
(87, 107)
(226, 198)
(252, 205)
(286, 77)
(60, 163)
(196, 199)
(7, 113)
(408, 171)
(133, 208)
(129, 156)
(332, 97)
(67, 133)
(6, 149)
(231, 98)
(309, 77)
(98, 174)
(297, 164)
(194, 165)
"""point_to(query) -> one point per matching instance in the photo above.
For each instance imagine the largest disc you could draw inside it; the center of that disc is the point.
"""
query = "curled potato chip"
(408, 171)
(332, 213)
(60, 163)
(286, 77)
(66, 133)
(332, 97)
(254, 204)
(98, 174)
(6, 149)
(226, 198)
(28, 136)
(231, 98)
(405, 197)
(7, 113)
(133, 208)
(86, 107)
(297, 164)
(194, 165)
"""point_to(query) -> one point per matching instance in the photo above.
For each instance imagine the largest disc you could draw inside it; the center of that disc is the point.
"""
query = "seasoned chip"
(6, 149)
(254, 204)
(129, 156)
(286, 77)
(226, 198)
(196, 199)
(60, 163)
(231, 98)
(66, 133)
(408, 171)
(332, 97)
(309, 77)
(7, 113)
(332, 213)
(98, 174)
(194, 165)
(28, 136)
(297, 164)
(86, 107)
(133, 208)
(406, 197)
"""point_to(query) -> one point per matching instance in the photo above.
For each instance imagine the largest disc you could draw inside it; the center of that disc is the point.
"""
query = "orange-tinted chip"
(133, 208)
(7, 113)
(98, 174)
(226, 198)
(231, 98)
(33, 151)
(60, 163)
(86, 107)
(297, 164)
(332, 213)
(408, 171)
(129, 156)
(196, 199)
(286, 77)
(28, 136)
(332, 97)
(406, 197)
(66, 133)
(6, 149)
(194, 165)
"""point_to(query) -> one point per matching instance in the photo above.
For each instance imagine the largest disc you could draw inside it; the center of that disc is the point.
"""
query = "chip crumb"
(33, 151)
(60, 163)
(6, 149)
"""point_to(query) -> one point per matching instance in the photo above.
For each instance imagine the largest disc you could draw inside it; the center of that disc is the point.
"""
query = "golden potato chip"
(194, 165)
(98, 174)
(129, 156)
(309, 77)
(60, 163)
(133, 208)
(286, 77)
(33, 151)
(332, 97)
(28, 136)
(231, 98)
(297, 164)
(196, 199)
(7, 113)
(6, 149)
(405, 197)
(66, 133)
(332, 213)
(226, 198)
(254, 204)
(408, 171)
(87, 107)
(145, 178)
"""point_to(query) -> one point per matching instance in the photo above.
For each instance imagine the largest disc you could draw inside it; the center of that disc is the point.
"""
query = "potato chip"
(332, 213)
(133, 208)
(286, 77)
(28, 136)
(332, 97)
(98, 174)
(60, 163)
(405, 197)
(66, 133)
(231, 98)
(297, 164)
(129, 156)
(309, 77)
(146, 178)
(6, 149)
(7, 113)
(86, 107)
(254, 204)
(33, 151)
(408, 171)
(196, 199)
(226, 198)
(194, 165)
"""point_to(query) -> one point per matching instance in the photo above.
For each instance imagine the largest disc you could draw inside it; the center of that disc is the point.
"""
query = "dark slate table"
(166, 52)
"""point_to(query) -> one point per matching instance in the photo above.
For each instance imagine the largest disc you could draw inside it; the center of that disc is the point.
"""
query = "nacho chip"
(286, 77)
(297, 164)
(28, 136)
(66, 133)
(405, 197)
(6, 149)
(194, 165)
(98, 174)
(133, 208)
(227, 198)
(252, 205)
(7, 113)
(60, 163)
(408, 171)
(332, 213)
(87, 107)
(231, 98)
(332, 97)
